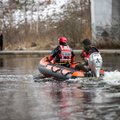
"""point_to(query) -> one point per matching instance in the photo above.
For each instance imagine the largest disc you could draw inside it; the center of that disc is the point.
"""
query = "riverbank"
(39, 52)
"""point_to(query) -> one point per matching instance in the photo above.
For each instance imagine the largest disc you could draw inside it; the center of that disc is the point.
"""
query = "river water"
(21, 98)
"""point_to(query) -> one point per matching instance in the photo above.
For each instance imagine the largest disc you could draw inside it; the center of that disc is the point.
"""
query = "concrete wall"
(115, 12)
(104, 14)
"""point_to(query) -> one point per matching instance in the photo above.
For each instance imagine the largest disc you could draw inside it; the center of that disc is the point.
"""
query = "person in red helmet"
(62, 54)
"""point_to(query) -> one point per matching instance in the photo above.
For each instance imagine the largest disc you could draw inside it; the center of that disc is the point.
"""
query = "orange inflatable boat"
(60, 72)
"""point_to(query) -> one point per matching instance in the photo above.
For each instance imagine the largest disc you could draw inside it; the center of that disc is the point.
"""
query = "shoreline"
(39, 52)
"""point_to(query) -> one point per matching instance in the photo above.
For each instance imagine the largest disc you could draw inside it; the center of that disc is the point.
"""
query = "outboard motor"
(95, 63)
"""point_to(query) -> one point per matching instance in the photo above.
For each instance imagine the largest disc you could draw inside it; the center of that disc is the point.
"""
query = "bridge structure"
(104, 15)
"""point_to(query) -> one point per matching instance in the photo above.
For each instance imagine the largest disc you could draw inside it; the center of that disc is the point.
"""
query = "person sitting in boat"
(86, 52)
(62, 54)
(88, 49)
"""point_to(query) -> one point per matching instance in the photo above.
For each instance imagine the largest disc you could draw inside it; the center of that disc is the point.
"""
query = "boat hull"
(59, 72)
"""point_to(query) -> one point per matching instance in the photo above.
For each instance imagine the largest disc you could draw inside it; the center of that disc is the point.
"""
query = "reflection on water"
(1, 62)
(21, 98)
(69, 100)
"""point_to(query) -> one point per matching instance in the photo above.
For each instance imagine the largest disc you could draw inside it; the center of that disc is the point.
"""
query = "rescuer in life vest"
(62, 54)
(86, 52)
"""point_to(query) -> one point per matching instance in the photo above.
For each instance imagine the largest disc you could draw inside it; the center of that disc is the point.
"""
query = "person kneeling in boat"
(62, 54)
(86, 52)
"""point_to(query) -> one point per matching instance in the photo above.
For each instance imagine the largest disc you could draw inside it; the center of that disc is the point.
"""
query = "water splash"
(112, 78)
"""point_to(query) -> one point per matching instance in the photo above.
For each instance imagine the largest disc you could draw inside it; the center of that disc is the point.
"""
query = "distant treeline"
(74, 23)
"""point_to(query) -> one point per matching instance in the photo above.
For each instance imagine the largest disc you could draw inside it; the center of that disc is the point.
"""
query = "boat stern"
(77, 74)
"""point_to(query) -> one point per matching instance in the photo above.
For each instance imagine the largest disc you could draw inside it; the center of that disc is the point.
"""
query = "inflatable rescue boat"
(60, 72)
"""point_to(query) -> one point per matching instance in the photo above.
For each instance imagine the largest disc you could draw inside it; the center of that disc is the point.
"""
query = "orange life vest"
(65, 55)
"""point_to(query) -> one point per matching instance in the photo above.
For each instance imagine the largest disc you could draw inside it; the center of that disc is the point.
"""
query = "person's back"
(62, 54)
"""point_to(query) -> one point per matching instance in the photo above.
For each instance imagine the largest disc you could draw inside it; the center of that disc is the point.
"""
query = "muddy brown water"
(21, 98)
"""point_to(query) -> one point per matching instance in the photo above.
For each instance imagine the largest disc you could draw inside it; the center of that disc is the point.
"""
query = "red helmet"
(63, 39)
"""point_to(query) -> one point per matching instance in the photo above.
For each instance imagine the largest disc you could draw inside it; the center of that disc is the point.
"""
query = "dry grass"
(40, 44)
